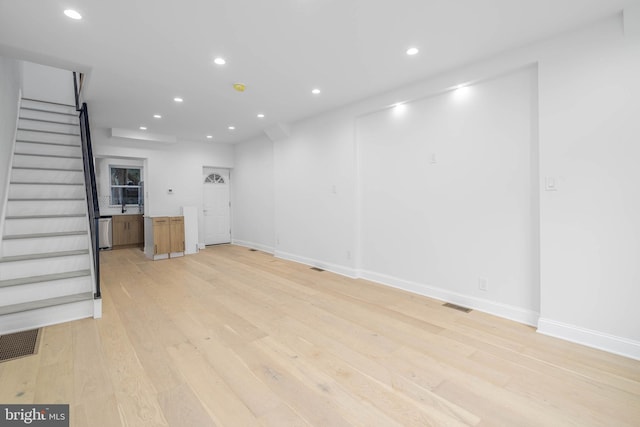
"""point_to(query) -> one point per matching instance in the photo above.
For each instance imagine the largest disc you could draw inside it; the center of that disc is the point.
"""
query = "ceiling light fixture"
(209, 136)
(261, 116)
(73, 14)
(240, 87)
(219, 61)
(316, 91)
(232, 128)
(157, 116)
(178, 99)
(143, 128)
(412, 51)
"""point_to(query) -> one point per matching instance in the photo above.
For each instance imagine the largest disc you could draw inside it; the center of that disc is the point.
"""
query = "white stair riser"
(53, 117)
(44, 149)
(47, 137)
(30, 175)
(70, 109)
(46, 162)
(39, 267)
(29, 191)
(28, 124)
(13, 227)
(53, 207)
(45, 316)
(43, 245)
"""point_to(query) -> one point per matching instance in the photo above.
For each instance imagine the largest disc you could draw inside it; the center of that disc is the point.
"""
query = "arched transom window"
(214, 178)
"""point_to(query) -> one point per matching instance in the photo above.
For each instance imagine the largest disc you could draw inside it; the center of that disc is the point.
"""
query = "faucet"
(124, 207)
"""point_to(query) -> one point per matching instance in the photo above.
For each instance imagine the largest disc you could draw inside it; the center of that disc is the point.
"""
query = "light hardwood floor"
(231, 337)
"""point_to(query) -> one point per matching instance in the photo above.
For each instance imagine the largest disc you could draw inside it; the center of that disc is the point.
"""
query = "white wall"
(252, 191)
(446, 188)
(315, 193)
(10, 86)
(590, 136)
(176, 166)
(48, 84)
(584, 236)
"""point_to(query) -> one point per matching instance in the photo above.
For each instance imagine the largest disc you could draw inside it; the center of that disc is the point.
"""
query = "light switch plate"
(550, 184)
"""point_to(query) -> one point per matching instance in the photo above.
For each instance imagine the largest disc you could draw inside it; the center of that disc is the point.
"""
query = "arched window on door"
(214, 178)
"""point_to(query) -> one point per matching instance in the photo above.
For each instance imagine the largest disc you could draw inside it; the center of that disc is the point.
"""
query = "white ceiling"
(140, 54)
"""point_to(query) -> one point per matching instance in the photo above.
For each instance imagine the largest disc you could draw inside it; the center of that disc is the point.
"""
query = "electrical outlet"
(483, 284)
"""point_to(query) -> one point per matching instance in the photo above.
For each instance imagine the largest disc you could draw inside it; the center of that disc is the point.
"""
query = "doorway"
(216, 206)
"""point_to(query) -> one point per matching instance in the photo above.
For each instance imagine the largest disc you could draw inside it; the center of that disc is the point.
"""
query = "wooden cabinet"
(161, 236)
(165, 237)
(127, 230)
(176, 230)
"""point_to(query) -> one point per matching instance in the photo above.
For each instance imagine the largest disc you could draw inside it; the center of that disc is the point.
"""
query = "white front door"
(216, 205)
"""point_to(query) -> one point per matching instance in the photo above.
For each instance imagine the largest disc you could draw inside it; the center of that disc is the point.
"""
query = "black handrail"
(89, 179)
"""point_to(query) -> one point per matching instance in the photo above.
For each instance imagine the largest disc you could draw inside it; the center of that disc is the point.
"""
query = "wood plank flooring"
(231, 337)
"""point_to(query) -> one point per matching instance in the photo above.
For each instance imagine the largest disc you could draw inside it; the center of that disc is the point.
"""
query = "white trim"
(590, 338)
(257, 246)
(97, 308)
(506, 311)
(46, 316)
(334, 268)
(3, 213)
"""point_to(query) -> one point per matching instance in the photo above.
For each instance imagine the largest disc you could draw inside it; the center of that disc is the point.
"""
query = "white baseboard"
(590, 338)
(498, 309)
(506, 311)
(252, 245)
(334, 268)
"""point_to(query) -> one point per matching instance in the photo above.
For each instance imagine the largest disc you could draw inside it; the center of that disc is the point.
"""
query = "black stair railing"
(89, 179)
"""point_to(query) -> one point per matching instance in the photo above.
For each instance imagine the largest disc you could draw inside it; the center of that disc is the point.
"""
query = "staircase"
(45, 264)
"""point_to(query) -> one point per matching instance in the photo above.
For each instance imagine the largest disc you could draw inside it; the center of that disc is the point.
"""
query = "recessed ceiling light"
(143, 128)
(157, 116)
(315, 91)
(72, 14)
(177, 99)
(261, 116)
(412, 51)
(219, 61)
(232, 127)
(209, 136)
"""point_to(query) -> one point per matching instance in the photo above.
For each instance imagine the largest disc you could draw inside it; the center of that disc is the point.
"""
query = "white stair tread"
(57, 156)
(44, 278)
(42, 110)
(48, 131)
(33, 119)
(46, 183)
(40, 101)
(50, 302)
(44, 235)
(43, 255)
(45, 216)
(46, 169)
(45, 199)
(28, 141)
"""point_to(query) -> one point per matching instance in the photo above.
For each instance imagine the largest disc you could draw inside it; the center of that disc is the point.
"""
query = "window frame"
(112, 186)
